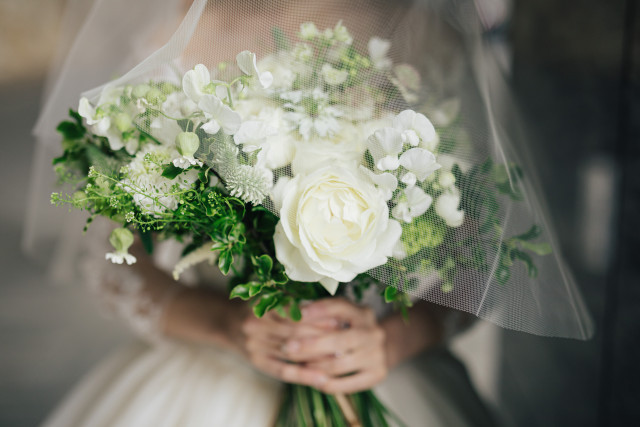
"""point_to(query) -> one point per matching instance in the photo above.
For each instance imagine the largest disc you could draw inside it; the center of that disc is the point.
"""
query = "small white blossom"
(247, 63)
(420, 163)
(414, 203)
(447, 208)
(378, 49)
(308, 31)
(219, 116)
(385, 145)
(333, 76)
(341, 34)
(412, 124)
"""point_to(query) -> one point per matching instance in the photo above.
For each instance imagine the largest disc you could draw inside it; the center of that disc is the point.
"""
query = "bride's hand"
(263, 342)
(352, 354)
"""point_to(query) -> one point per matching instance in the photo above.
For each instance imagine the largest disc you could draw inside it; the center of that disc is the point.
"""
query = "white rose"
(334, 224)
(345, 148)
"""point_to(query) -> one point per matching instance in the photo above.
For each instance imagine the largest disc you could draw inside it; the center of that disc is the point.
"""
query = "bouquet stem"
(347, 410)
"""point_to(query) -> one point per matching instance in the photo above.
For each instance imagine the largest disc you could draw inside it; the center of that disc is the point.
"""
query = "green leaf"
(541, 249)
(264, 304)
(240, 291)
(147, 241)
(263, 265)
(70, 130)
(225, 260)
(255, 288)
(526, 259)
(390, 294)
(294, 311)
(530, 234)
(170, 171)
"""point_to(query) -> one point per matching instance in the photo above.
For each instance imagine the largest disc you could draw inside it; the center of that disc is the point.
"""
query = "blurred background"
(575, 74)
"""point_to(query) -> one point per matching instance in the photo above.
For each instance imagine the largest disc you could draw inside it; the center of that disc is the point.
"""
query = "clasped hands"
(337, 347)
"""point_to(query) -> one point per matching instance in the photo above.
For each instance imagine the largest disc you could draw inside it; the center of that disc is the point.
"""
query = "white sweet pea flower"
(248, 64)
(412, 125)
(378, 49)
(341, 34)
(385, 145)
(447, 208)
(121, 239)
(334, 225)
(164, 129)
(179, 105)
(195, 81)
(385, 182)
(308, 31)
(414, 203)
(103, 125)
(333, 76)
(420, 163)
(187, 144)
(219, 116)
(283, 68)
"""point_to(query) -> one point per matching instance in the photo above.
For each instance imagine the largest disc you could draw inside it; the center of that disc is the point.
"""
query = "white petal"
(194, 81)
(404, 120)
(447, 209)
(418, 201)
(401, 212)
(409, 178)
(419, 161)
(211, 127)
(86, 111)
(247, 62)
(388, 163)
(331, 285)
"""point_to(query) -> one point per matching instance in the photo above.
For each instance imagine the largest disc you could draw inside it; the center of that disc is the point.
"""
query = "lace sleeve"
(137, 294)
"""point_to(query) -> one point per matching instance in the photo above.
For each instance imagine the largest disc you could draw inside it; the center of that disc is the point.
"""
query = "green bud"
(167, 88)
(187, 143)
(140, 91)
(155, 96)
(123, 122)
(121, 239)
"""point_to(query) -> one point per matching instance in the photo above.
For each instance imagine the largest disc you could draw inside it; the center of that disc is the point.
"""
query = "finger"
(340, 309)
(289, 372)
(345, 341)
(343, 364)
(279, 330)
(362, 380)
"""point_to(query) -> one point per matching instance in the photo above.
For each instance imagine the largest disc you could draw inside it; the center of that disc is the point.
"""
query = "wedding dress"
(158, 382)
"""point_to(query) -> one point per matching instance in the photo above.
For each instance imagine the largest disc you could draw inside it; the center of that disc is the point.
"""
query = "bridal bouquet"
(303, 175)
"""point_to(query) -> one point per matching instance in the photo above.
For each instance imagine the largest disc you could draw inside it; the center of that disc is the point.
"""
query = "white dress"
(165, 383)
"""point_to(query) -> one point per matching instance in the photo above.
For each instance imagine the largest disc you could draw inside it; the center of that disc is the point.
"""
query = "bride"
(207, 360)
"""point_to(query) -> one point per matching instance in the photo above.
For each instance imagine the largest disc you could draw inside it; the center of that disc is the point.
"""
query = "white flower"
(179, 105)
(385, 182)
(303, 52)
(219, 116)
(341, 34)
(152, 192)
(385, 145)
(345, 148)
(333, 76)
(268, 131)
(121, 239)
(378, 49)
(195, 81)
(416, 129)
(102, 125)
(308, 31)
(164, 129)
(447, 208)
(187, 144)
(414, 203)
(283, 69)
(420, 163)
(247, 63)
(334, 225)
